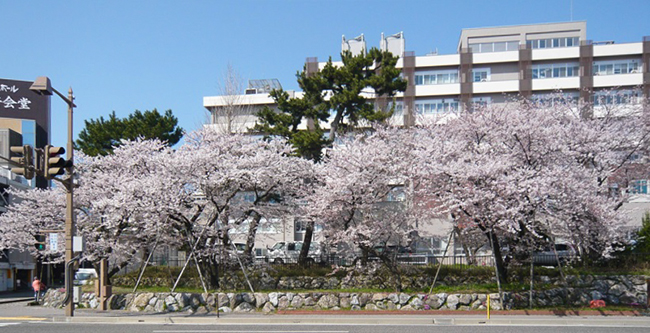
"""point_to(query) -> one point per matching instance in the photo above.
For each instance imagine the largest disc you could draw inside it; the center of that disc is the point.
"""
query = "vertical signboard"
(18, 102)
(54, 241)
(26, 113)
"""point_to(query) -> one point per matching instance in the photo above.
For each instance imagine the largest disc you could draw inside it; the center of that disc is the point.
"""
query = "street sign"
(54, 241)
(78, 244)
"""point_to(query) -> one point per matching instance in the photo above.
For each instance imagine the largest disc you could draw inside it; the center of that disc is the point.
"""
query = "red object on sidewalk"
(597, 303)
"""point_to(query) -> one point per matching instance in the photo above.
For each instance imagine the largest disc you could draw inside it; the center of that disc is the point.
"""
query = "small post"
(647, 288)
(488, 306)
(532, 278)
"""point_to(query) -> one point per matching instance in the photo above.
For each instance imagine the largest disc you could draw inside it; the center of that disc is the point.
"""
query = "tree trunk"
(469, 255)
(334, 126)
(211, 267)
(250, 239)
(145, 254)
(306, 243)
(502, 270)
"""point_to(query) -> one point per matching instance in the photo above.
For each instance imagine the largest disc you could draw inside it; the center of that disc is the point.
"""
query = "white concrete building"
(491, 66)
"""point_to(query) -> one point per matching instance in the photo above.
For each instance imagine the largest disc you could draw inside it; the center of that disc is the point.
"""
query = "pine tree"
(101, 136)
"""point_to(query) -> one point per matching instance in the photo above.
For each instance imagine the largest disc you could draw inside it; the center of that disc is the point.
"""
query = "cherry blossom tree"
(124, 200)
(121, 204)
(237, 182)
(525, 174)
(31, 213)
(360, 195)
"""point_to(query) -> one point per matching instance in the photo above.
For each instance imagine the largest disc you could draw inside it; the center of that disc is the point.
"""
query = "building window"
(399, 107)
(626, 66)
(478, 102)
(436, 77)
(301, 226)
(547, 71)
(553, 42)
(494, 47)
(481, 74)
(396, 194)
(639, 186)
(272, 226)
(553, 99)
(616, 97)
(436, 106)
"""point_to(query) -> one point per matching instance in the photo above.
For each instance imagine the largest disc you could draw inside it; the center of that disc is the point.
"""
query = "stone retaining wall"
(264, 281)
(624, 290)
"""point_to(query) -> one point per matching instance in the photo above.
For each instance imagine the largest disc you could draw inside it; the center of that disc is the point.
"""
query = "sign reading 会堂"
(18, 102)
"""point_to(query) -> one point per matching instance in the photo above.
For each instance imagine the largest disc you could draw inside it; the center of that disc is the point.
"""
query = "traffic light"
(25, 162)
(40, 242)
(54, 164)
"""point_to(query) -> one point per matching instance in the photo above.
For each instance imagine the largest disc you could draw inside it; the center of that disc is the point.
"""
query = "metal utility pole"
(42, 86)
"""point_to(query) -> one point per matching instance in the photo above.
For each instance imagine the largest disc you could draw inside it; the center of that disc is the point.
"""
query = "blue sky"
(123, 55)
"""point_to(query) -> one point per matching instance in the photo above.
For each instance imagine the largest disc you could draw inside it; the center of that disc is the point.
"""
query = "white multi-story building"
(492, 65)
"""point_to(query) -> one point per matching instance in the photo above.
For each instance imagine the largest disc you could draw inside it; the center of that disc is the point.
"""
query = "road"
(28, 327)
(18, 318)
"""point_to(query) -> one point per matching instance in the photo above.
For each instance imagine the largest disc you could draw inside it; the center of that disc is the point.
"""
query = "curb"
(16, 300)
(360, 319)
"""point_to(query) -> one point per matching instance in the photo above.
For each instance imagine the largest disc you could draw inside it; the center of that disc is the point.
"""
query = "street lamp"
(42, 86)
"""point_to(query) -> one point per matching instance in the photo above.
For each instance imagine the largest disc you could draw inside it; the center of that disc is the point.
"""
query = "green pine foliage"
(643, 236)
(100, 136)
(343, 85)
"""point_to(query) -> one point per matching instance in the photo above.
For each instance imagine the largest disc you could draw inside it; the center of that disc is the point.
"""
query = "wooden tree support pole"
(105, 289)
(444, 255)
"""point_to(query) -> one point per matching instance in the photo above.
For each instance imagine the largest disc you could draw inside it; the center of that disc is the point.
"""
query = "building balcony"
(612, 50)
(437, 90)
(495, 86)
(559, 83)
(437, 60)
(495, 57)
(618, 80)
(556, 53)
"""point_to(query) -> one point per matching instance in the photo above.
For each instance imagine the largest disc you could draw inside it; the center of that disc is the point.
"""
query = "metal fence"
(409, 259)
(621, 262)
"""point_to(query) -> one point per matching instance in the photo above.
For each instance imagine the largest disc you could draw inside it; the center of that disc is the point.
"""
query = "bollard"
(488, 306)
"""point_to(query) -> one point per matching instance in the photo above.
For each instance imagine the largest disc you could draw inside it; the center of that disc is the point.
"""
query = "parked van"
(84, 276)
(288, 252)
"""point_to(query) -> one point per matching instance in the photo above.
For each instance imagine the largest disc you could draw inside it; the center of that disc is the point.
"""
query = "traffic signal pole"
(42, 86)
(69, 212)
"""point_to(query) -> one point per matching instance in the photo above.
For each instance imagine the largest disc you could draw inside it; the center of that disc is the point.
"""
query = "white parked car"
(565, 253)
(84, 276)
(288, 252)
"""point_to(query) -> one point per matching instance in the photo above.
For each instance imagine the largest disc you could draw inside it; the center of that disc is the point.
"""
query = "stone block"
(404, 298)
(261, 299)
(452, 302)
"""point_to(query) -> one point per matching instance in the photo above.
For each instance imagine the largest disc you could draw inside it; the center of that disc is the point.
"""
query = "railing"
(459, 261)
(409, 259)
